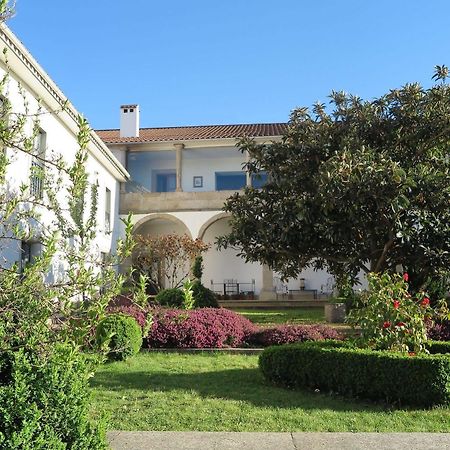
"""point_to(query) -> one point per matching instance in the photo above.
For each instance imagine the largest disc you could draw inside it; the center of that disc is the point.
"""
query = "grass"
(287, 316)
(220, 392)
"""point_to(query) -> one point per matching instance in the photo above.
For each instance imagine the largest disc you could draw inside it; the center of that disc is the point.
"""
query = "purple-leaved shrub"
(288, 334)
(199, 328)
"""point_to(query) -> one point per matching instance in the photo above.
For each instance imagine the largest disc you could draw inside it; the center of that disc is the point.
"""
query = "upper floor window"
(107, 210)
(37, 165)
(166, 182)
(259, 180)
(230, 181)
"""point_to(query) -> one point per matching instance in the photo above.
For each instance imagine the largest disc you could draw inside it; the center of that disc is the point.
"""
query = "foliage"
(287, 334)
(197, 267)
(188, 295)
(140, 296)
(420, 380)
(59, 295)
(204, 297)
(439, 330)
(198, 328)
(363, 185)
(389, 317)
(120, 334)
(166, 259)
(139, 314)
(170, 297)
(44, 400)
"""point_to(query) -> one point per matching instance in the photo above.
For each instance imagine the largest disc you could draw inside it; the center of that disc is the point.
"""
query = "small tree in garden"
(389, 317)
(44, 320)
(362, 185)
(167, 259)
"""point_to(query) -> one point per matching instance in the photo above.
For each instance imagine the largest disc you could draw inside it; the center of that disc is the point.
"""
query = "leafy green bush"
(121, 334)
(389, 317)
(44, 400)
(172, 297)
(204, 297)
(438, 347)
(421, 379)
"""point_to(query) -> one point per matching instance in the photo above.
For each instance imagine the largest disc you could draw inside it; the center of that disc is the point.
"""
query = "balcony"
(146, 202)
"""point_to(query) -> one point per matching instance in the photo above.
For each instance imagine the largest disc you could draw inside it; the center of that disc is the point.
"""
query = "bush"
(439, 331)
(200, 328)
(379, 375)
(44, 401)
(389, 317)
(121, 334)
(204, 297)
(138, 314)
(173, 298)
(438, 347)
(287, 334)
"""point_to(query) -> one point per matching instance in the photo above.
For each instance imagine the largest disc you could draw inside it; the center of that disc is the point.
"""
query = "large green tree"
(357, 185)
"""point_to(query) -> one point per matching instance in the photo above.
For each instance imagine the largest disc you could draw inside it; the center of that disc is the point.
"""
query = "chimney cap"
(129, 106)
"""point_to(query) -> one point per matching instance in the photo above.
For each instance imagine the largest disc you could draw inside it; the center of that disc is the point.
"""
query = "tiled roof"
(195, 132)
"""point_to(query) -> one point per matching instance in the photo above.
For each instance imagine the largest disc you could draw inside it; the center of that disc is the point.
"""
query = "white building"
(179, 180)
(179, 177)
(28, 82)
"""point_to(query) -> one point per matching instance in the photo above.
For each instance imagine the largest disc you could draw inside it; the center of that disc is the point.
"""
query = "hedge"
(198, 328)
(121, 334)
(421, 380)
(289, 334)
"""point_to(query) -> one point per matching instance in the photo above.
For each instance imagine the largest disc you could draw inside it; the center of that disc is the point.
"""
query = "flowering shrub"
(389, 317)
(439, 331)
(200, 328)
(287, 334)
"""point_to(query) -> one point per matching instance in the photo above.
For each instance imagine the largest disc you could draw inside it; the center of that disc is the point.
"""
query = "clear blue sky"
(192, 62)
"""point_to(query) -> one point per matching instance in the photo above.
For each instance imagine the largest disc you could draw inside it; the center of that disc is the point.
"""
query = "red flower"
(386, 324)
(400, 324)
(425, 302)
(412, 353)
(396, 304)
(405, 277)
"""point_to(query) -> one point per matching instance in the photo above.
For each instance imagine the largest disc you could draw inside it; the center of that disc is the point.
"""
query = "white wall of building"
(60, 130)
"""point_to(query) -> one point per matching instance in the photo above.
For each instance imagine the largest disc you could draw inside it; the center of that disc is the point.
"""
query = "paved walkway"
(193, 440)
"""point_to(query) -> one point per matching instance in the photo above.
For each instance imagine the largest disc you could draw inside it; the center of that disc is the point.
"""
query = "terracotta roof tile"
(195, 132)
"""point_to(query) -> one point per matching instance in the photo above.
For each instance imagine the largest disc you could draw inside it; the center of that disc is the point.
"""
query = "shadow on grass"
(237, 384)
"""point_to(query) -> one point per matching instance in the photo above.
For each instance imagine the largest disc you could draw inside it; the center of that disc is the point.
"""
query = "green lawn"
(288, 316)
(220, 392)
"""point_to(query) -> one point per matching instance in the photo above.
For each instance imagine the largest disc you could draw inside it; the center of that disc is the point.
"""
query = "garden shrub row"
(214, 328)
(198, 328)
(422, 380)
(288, 334)
(439, 330)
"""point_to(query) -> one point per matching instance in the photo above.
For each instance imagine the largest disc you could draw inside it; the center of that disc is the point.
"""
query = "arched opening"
(224, 271)
(155, 255)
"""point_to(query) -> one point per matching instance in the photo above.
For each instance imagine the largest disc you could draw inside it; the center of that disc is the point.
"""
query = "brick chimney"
(129, 121)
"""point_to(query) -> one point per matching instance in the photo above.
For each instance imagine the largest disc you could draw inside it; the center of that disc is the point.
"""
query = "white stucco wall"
(60, 132)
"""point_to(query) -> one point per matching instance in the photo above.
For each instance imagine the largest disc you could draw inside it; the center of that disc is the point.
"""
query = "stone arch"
(211, 221)
(162, 217)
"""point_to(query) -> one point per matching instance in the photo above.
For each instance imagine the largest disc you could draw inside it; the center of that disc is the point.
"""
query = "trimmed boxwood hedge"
(121, 334)
(421, 380)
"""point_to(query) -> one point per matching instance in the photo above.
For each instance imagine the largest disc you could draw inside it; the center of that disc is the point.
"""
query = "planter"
(335, 312)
